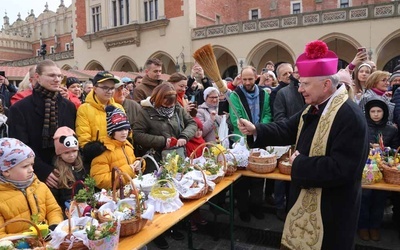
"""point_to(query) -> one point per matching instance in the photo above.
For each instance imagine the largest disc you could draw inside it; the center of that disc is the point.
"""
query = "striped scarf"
(50, 122)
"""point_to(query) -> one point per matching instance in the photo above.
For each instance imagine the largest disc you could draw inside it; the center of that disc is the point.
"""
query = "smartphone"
(3, 73)
(193, 112)
(362, 49)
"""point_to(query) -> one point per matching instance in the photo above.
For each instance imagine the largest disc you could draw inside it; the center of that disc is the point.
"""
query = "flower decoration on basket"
(193, 184)
(85, 200)
(172, 166)
(104, 236)
(213, 165)
(371, 173)
(103, 230)
(132, 212)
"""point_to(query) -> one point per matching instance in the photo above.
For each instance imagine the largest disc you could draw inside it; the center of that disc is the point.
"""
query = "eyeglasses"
(54, 76)
(213, 97)
(106, 89)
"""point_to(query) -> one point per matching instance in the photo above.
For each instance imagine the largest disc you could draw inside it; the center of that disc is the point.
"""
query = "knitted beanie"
(116, 120)
(12, 152)
(198, 122)
(72, 80)
(65, 140)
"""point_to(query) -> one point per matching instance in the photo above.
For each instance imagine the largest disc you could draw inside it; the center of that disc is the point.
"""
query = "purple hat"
(317, 60)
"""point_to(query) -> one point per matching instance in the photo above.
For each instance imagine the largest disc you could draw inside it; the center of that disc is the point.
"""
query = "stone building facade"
(120, 35)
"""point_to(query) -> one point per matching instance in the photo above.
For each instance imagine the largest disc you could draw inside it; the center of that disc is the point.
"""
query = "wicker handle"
(39, 234)
(233, 156)
(74, 187)
(119, 175)
(193, 154)
(397, 152)
(198, 168)
(232, 135)
(142, 160)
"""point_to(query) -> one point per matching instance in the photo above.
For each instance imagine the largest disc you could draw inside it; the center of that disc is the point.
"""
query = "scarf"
(179, 98)
(192, 144)
(18, 184)
(253, 102)
(164, 111)
(378, 92)
(50, 122)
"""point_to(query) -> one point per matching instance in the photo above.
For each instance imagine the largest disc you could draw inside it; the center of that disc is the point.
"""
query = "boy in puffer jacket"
(119, 151)
(22, 194)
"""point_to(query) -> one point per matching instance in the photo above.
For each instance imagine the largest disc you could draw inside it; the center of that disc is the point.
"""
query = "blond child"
(22, 194)
(68, 166)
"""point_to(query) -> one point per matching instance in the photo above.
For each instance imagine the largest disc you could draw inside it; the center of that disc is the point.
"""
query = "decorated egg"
(21, 244)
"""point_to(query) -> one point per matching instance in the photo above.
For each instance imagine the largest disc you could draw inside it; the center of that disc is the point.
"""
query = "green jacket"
(238, 100)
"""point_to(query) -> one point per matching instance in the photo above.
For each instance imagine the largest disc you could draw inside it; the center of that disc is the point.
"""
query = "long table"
(162, 222)
(276, 175)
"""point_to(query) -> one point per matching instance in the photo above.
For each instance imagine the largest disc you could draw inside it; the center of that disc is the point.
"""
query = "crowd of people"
(59, 131)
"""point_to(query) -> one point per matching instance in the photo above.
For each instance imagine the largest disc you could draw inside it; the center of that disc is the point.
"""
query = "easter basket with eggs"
(23, 241)
(193, 184)
(390, 167)
(371, 173)
(70, 234)
(129, 211)
(212, 161)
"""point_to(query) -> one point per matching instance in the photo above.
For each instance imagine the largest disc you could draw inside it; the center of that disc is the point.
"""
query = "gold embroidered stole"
(304, 226)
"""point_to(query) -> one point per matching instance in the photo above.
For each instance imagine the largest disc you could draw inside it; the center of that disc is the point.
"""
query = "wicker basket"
(231, 168)
(134, 225)
(261, 165)
(76, 243)
(203, 191)
(284, 165)
(36, 243)
(221, 154)
(391, 175)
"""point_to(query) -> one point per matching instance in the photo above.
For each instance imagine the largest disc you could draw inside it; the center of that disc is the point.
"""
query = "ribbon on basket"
(164, 197)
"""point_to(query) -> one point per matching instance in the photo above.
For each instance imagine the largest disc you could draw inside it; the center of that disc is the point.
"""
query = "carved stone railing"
(374, 11)
(34, 60)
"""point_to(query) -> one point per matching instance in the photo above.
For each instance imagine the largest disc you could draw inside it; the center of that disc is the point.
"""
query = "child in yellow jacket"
(22, 194)
(119, 151)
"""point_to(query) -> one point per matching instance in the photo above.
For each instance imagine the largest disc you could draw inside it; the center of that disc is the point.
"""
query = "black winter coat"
(26, 124)
(288, 101)
(388, 131)
(338, 173)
